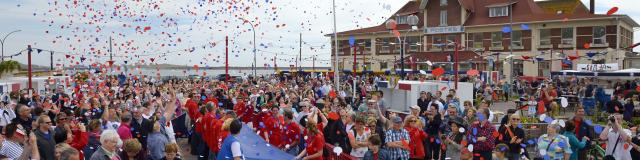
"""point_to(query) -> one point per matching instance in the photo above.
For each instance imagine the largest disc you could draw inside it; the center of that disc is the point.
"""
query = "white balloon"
(561, 123)
(563, 102)
(337, 150)
(470, 147)
(461, 130)
(543, 152)
(542, 117)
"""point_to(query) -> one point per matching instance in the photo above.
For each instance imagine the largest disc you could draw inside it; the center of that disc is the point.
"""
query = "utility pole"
(511, 75)
(300, 56)
(51, 67)
(29, 50)
(335, 38)
(110, 50)
(226, 57)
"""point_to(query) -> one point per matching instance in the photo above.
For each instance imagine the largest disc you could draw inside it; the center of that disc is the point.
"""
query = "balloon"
(352, 40)
(563, 102)
(396, 33)
(473, 72)
(612, 11)
(587, 45)
(506, 29)
(437, 72)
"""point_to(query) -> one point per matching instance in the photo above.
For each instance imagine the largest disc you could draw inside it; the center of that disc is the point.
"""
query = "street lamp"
(254, 46)
(4, 40)
(412, 20)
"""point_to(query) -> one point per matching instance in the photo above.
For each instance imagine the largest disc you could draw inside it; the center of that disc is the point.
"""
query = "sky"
(192, 32)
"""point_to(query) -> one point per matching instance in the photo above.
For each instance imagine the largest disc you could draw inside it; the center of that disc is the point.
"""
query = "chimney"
(592, 6)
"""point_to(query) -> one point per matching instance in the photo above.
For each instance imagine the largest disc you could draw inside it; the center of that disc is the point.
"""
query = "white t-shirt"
(235, 149)
(360, 152)
(621, 152)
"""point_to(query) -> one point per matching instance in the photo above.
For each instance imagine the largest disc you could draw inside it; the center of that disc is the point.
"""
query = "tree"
(8, 66)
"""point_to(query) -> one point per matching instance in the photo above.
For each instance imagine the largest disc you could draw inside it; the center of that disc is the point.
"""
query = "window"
(567, 36)
(443, 2)
(443, 18)
(437, 42)
(451, 38)
(477, 40)
(545, 37)
(413, 43)
(499, 11)
(385, 48)
(496, 39)
(516, 39)
(599, 35)
(401, 19)
(383, 65)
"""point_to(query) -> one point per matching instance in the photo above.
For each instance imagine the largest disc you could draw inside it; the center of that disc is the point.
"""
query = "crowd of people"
(99, 116)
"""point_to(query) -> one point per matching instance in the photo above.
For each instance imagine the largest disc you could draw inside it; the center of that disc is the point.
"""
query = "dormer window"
(499, 11)
(401, 19)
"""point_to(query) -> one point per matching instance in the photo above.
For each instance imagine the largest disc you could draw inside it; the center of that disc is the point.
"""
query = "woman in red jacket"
(417, 135)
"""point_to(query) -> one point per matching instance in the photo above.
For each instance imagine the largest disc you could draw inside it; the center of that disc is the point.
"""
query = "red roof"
(525, 11)
(411, 7)
(442, 57)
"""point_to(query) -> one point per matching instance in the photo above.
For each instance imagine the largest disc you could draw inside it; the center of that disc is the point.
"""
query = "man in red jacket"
(192, 107)
(273, 127)
(243, 110)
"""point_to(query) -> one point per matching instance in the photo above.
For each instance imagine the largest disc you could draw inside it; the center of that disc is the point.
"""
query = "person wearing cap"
(17, 144)
(454, 139)
(512, 136)
(397, 140)
(415, 111)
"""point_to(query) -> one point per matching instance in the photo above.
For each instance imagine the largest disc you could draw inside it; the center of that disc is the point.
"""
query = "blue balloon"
(531, 142)
(475, 131)
(520, 126)
(561, 144)
(437, 141)
(588, 122)
(352, 40)
(523, 145)
(480, 116)
(598, 129)
(548, 119)
(506, 29)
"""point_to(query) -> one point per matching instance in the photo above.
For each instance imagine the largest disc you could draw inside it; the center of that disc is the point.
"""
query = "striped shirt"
(394, 136)
(11, 149)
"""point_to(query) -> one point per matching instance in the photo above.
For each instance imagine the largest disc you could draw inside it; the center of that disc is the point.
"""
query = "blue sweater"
(575, 144)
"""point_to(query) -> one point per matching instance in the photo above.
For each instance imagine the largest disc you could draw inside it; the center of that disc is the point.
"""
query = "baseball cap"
(397, 119)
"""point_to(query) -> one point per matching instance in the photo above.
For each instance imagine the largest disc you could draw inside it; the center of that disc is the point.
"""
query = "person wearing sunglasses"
(512, 135)
(17, 145)
(44, 134)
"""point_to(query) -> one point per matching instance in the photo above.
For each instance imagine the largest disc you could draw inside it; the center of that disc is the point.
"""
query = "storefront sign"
(598, 67)
(443, 30)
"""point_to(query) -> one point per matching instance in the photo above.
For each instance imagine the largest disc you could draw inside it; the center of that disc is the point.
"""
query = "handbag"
(610, 157)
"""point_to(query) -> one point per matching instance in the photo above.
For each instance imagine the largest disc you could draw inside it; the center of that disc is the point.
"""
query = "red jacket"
(80, 140)
(192, 109)
(416, 136)
(220, 136)
(207, 126)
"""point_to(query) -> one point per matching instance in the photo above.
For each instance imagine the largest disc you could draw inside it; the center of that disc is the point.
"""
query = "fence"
(333, 156)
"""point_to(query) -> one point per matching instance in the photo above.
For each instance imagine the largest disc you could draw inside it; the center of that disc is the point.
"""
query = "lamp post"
(4, 40)
(254, 46)
(412, 21)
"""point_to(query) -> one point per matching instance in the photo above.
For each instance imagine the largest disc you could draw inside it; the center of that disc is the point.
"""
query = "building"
(545, 36)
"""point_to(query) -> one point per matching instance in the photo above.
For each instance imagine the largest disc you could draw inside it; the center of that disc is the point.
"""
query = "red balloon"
(472, 72)
(612, 11)
(587, 46)
(437, 72)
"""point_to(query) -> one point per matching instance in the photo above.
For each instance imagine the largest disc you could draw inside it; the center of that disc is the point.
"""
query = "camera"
(612, 119)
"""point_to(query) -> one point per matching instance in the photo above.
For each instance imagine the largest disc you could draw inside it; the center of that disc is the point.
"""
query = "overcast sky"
(189, 32)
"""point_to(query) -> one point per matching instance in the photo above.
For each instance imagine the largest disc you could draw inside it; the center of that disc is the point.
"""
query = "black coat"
(140, 131)
(46, 147)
